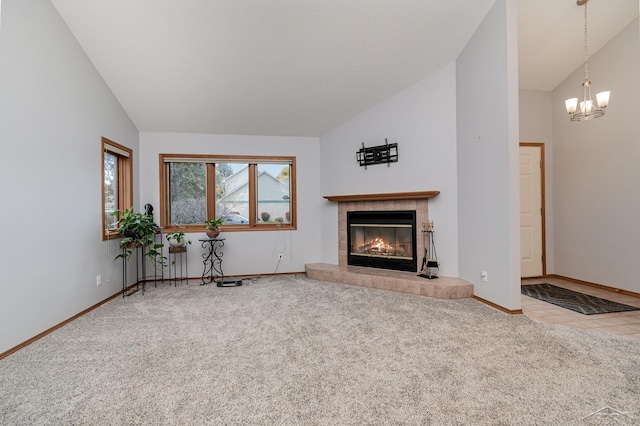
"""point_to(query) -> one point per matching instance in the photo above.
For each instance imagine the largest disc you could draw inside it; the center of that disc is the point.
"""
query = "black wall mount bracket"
(387, 153)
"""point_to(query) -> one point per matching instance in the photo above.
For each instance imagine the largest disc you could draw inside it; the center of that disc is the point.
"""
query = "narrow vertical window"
(110, 190)
(274, 193)
(188, 193)
(232, 192)
(117, 184)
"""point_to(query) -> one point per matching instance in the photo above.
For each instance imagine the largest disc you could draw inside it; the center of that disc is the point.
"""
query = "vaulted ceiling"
(302, 67)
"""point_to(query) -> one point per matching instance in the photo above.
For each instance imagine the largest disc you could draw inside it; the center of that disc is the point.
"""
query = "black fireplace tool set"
(429, 258)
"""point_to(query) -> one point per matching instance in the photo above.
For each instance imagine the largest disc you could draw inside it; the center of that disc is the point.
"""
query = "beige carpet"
(293, 351)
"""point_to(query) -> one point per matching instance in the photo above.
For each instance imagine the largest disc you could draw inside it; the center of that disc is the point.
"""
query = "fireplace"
(382, 239)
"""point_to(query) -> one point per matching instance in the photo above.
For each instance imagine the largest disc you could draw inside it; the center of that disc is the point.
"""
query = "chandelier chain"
(586, 72)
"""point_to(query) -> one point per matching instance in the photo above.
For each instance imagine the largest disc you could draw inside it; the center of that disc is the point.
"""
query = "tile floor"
(621, 323)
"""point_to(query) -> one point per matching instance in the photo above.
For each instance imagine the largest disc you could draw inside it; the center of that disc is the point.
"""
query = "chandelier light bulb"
(571, 105)
(603, 99)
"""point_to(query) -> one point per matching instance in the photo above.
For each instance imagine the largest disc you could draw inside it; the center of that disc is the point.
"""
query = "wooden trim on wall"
(542, 202)
(383, 197)
(57, 326)
(119, 293)
(164, 185)
(253, 195)
(498, 307)
(210, 191)
(105, 235)
(293, 194)
(590, 284)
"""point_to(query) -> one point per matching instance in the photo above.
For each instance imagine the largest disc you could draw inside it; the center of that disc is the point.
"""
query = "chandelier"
(588, 110)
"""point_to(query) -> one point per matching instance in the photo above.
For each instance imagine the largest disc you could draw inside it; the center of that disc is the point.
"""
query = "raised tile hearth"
(384, 279)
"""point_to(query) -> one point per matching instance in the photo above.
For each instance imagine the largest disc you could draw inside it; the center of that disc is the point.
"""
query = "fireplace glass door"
(384, 239)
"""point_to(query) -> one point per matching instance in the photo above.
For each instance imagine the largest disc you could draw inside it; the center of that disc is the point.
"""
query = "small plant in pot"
(212, 227)
(177, 239)
(138, 230)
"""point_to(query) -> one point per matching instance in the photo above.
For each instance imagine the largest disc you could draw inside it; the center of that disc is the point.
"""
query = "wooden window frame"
(211, 160)
(124, 189)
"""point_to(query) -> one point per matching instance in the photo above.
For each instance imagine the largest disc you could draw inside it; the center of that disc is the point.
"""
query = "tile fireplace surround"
(385, 279)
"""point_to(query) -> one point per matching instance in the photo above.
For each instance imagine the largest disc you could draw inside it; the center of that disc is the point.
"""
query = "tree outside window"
(188, 193)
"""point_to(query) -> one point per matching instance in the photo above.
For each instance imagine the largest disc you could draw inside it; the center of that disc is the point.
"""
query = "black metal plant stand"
(213, 264)
(139, 253)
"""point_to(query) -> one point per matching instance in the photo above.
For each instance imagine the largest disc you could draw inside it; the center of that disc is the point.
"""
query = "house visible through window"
(248, 193)
(117, 190)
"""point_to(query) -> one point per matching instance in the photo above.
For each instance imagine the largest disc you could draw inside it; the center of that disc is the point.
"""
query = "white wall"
(488, 176)
(596, 172)
(421, 119)
(54, 107)
(536, 125)
(250, 252)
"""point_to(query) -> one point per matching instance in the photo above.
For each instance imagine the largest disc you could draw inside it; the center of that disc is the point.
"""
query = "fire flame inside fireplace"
(377, 246)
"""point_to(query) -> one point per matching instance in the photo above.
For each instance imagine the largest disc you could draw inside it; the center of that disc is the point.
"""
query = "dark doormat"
(569, 299)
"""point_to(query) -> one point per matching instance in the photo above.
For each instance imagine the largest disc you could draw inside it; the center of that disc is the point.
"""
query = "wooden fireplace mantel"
(383, 197)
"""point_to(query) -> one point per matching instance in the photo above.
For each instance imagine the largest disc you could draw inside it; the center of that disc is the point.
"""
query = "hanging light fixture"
(588, 110)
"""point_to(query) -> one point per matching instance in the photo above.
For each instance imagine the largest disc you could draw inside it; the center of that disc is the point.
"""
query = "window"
(249, 193)
(188, 193)
(117, 181)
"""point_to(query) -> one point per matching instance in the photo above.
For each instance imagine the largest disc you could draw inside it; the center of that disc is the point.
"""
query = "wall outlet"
(280, 256)
(485, 276)
(98, 280)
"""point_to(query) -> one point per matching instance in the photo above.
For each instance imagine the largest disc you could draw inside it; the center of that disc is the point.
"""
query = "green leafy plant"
(138, 230)
(213, 223)
(178, 237)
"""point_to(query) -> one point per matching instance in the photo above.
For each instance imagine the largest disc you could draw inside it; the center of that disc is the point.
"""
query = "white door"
(531, 211)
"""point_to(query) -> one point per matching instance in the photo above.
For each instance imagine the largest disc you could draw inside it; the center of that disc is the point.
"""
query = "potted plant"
(177, 239)
(138, 230)
(212, 227)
